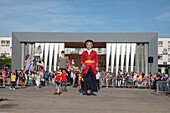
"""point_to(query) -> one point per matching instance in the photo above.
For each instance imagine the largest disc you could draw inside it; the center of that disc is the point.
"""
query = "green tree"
(5, 61)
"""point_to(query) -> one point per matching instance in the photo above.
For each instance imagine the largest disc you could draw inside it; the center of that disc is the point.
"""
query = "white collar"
(89, 51)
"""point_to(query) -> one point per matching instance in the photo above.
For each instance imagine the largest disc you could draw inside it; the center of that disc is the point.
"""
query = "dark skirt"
(90, 81)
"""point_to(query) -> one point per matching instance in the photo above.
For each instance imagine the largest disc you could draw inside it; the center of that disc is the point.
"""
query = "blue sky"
(85, 16)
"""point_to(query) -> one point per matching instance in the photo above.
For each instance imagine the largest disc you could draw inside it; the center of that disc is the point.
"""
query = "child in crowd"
(52, 76)
(58, 79)
(31, 80)
(4, 78)
(26, 77)
(38, 78)
(144, 80)
(64, 80)
(81, 83)
(137, 83)
(13, 80)
(22, 78)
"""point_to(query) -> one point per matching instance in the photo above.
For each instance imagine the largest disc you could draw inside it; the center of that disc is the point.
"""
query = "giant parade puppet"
(89, 62)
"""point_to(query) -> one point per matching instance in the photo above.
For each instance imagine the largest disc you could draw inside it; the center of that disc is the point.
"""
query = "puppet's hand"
(83, 66)
(97, 69)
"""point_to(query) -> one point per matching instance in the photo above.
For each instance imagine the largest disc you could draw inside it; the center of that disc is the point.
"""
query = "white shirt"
(98, 75)
(89, 51)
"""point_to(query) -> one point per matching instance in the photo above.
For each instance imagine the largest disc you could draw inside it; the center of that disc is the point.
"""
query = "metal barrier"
(163, 87)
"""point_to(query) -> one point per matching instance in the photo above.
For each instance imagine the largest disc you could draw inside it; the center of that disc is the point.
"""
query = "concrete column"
(127, 57)
(123, 55)
(113, 51)
(133, 49)
(146, 59)
(51, 56)
(137, 58)
(32, 50)
(56, 48)
(46, 55)
(22, 55)
(108, 49)
(142, 57)
(117, 56)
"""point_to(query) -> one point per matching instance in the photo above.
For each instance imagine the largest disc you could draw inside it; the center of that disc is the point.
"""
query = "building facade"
(125, 51)
(6, 46)
(164, 55)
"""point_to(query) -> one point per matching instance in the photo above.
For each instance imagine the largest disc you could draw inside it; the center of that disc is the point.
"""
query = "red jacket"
(93, 58)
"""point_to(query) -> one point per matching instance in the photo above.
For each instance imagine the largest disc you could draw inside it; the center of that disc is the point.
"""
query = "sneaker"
(55, 93)
(59, 93)
(93, 94)
(10, 88)
(13, 88)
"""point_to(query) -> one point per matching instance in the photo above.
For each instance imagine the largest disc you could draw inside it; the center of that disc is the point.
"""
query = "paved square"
(111, 100)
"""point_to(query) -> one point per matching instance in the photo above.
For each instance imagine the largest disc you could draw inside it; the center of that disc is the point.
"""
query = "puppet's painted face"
(89, 45)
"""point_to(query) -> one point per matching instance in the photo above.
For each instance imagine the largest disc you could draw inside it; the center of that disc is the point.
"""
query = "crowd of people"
(132, 79)
(103, 79)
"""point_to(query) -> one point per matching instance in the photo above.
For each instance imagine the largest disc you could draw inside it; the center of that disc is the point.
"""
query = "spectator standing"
(64, 80)
(13, 80)
(38, 78)
(98, 80)
(46, 77)
(4, 78)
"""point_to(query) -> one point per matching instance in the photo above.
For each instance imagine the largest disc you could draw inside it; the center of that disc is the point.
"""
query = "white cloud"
(163, 17)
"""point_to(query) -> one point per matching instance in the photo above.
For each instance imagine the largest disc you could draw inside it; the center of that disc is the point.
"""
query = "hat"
(58, 72)
(88, 41)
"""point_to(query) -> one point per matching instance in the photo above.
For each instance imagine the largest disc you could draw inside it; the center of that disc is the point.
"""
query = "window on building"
(168, 57)
(2, 54)
(165, 63)
(168, 43)
(7, 54)
(168, 49)
(165, 50)
(8, 42)
(160, 43)
(160, 57)
(2, 42)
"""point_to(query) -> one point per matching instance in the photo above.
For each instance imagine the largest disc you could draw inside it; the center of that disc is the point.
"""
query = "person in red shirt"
(89, 62)
(58, 79)
(64, 80)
